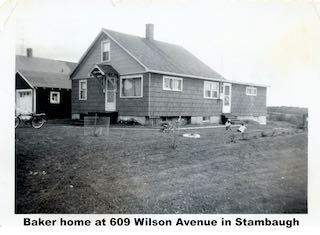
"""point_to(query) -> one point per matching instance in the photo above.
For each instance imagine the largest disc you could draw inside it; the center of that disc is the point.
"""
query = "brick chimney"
(149, 31)
(29, 52)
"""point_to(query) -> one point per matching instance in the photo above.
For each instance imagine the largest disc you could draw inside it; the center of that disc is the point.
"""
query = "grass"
(59, 170)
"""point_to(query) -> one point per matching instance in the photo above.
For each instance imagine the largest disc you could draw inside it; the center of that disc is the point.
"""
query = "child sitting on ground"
(242, 128)
(228, 124)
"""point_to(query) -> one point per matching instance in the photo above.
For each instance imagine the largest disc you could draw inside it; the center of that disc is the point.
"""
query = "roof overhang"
(100, 70)
(24, 78)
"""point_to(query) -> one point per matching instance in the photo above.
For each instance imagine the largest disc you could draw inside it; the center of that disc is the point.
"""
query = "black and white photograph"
(162, 107)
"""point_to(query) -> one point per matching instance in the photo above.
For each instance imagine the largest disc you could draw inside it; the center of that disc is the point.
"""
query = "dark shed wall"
(21, 83)
(61, 110)
(120, 60)
(189, 102)
(244, 105)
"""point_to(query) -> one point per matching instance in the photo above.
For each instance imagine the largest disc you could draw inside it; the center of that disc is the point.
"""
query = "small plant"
(171, 128)
(263, 134)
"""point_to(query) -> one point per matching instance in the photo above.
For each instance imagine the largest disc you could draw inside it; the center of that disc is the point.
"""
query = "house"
(43, 86)
(150, 81)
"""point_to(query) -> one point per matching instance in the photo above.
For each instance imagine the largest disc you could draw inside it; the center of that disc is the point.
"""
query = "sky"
(266, 42)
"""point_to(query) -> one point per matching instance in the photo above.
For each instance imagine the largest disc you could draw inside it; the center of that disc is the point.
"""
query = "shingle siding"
(134, 106)
(95, 97)
(188, 102)
(245, 105)
(120, 60)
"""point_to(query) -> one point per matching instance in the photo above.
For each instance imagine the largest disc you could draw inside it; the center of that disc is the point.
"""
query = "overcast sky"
(269, 42)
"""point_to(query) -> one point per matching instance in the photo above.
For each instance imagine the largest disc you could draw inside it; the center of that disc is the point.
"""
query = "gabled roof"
(163, 57)
(40, 72)
(159, 57)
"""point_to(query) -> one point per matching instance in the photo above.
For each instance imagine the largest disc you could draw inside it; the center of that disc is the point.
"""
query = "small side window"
(82, 90)
(252, 91)
(105, 51)
(54, 97)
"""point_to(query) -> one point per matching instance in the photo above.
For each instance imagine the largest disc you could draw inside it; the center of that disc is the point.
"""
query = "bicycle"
(36, 120)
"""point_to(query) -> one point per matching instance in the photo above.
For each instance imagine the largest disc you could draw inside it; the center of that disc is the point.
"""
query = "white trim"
(101, 52)
(94, 67)
(58, 95)
(23, 77)
(230, 97)
(172, 78)
(251, 88)
(131, 76)
(81, 81)
(34, 103)
(204, 91)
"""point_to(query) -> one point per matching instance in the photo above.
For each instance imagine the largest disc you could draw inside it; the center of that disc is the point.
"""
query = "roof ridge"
(42, 58)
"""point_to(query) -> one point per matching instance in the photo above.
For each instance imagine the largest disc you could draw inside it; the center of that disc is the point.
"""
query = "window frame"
(172, 78)
(204, 90)
(102, 50)
(58, 95)
(128, 77)
(86, 93)
(251, 88)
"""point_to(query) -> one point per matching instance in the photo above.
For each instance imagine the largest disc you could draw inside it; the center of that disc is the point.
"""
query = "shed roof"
(41, 72)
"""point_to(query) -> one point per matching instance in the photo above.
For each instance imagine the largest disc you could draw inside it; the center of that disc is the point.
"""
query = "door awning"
(103, 70)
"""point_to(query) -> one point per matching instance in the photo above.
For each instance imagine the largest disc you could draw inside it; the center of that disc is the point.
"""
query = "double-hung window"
(211, 90)
(83, 90)
(252, 91)
(172, 83)
(105, 51)
(131, 86)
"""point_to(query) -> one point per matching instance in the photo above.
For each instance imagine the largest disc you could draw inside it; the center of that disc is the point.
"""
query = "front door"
(110, 97)
(24, 101)
(226, 106)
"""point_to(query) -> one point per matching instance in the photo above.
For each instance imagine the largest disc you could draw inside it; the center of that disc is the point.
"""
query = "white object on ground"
(189, 135)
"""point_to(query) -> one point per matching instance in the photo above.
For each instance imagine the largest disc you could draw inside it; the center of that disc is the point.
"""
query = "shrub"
(263, 134)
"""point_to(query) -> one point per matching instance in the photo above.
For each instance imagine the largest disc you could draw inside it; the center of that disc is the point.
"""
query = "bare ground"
(59, 170)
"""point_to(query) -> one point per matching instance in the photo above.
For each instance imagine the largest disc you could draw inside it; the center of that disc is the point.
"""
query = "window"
(131, 86)
(105, 51)
(82, 90)
(54, 97)
(211, 90)
(251, 91)
(172, 83)
(24, 93)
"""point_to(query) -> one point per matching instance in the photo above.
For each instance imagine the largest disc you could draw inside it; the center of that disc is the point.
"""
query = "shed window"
(131, 86)
(251, 91)
(82, 90)
(54, 97)
(211, 90)
(105, 51)
(172, 83)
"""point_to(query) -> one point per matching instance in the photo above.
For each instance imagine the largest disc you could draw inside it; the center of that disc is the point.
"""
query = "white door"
(110, 97)
(24, 101)
(226, 104)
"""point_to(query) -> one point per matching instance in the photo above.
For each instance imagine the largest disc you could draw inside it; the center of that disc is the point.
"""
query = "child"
(228, 124)
(242, 128)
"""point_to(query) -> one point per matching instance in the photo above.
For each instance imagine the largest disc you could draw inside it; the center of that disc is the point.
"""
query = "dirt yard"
(60, 170)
